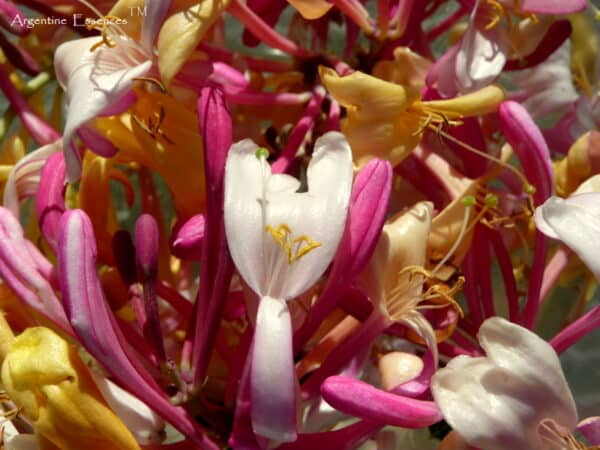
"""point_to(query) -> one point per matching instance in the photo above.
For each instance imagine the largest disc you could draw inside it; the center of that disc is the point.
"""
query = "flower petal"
(482, 53)
(273, 378)
(576, 222)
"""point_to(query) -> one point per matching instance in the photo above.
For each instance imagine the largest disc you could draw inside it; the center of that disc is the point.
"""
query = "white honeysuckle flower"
(281, 242)
(515, 398)
(146, 426)
(576, 222)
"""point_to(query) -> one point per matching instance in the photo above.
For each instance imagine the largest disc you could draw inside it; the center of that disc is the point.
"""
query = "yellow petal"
(45, 377)
(483, 101)
(391, 139)
(408, 68)
(368, 97)
(311, 9)
(182, 32)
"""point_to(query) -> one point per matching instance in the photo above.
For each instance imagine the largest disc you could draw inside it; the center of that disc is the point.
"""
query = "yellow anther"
(497, 12)
(294, 248)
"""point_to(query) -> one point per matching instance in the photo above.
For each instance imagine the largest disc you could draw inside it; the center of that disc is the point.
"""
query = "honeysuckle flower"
(45, 377)
(386, 120)
(281, 244)
(478, 59)
(97, 74)
(516, 397)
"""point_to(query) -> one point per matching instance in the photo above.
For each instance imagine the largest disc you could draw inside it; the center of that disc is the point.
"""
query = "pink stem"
(354, 10)
(506, 268)
(535, 281)
(41, 131)
(262, 30)
(554, 268)
(258, 64)
(298, 133)
(469, 268)
(333, 117)
(575, 331)
(441, 27)
(484, 262)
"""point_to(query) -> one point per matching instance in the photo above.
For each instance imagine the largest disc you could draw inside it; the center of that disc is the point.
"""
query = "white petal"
(470, 394)
(145, 425)
(319, 214)
(256, 201)
(244, 179)
(576, 222)
(482, 52)
(499, 401)
(531, 358)
(273, 374)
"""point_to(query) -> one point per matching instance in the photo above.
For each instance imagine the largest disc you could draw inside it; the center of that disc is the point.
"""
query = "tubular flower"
(516, 397)
(386, 120)
(45, 377)
(281, 242)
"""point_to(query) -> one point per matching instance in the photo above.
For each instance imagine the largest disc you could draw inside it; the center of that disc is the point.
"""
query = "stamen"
(528, 188)
(151, 127)
(283, 237)
(468, 201)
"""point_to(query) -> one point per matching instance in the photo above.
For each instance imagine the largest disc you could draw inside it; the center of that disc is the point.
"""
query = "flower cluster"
(301, 224)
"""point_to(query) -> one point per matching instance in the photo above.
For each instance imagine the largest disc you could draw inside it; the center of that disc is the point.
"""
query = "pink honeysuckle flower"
(281, 242)
(96, 76)
(516, 397)
(360, 399)
(216, 127)
(480, 56)
(186, 241)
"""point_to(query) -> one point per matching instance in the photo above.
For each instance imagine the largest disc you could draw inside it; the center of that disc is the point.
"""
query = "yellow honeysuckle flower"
(44, 376)
(182, 32)
(386, 120)
(162, 135)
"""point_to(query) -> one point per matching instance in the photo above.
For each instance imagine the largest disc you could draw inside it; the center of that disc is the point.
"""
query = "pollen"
(294, 247)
